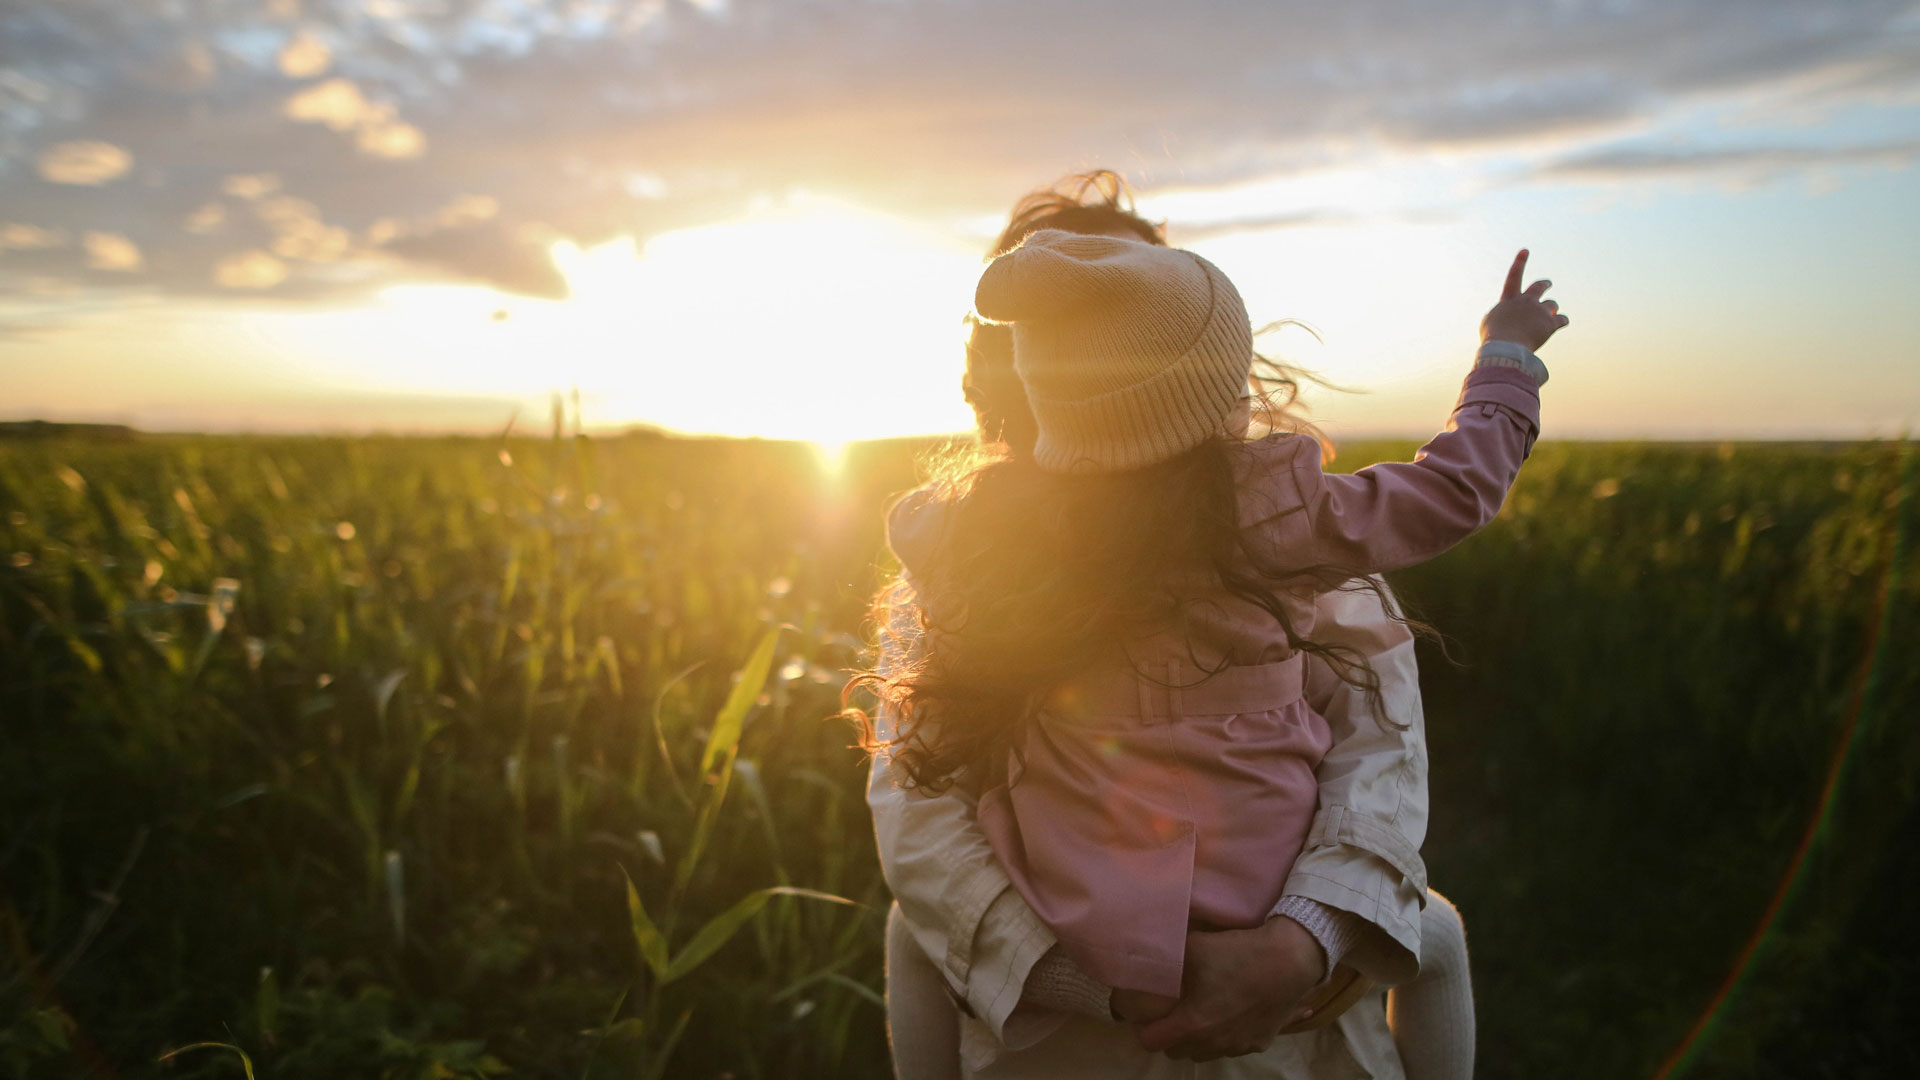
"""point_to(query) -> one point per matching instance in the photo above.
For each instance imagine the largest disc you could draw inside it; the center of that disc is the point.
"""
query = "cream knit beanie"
(1131, 353)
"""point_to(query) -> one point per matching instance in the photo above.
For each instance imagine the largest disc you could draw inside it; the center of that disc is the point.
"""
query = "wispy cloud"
(1749, 163)
(157, 123)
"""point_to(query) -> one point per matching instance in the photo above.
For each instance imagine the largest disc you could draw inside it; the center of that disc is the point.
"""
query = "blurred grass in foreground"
(344, 753)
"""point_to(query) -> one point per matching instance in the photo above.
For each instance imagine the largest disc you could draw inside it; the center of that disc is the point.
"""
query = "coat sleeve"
(1363, 848)
(1397, 514)
(959, 904)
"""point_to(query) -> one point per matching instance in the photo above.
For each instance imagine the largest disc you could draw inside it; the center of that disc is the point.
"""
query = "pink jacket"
(1153, 798)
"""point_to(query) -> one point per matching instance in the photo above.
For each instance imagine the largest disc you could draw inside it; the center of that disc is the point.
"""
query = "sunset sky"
(765, 217)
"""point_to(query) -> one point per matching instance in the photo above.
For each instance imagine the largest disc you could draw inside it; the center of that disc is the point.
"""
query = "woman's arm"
(1363, 849)
(987, 941)
(961, 906)
(1361, 864)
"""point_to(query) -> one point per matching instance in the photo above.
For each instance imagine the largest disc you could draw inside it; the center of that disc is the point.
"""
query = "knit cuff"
(1337, 931)
(1514, 355)
(1057, 983)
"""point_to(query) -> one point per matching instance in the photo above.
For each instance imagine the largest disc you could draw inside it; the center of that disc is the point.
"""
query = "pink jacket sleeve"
(1394, 515)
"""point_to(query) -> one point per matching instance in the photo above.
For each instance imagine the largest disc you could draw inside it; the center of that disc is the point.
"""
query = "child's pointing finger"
(1514, 273)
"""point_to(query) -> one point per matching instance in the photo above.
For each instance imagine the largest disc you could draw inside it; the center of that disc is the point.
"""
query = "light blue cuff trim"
(1514, 355)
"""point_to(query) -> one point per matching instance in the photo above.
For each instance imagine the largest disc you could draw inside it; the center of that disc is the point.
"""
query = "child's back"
(1171, 783)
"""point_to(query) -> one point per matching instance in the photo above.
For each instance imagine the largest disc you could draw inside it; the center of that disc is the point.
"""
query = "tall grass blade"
(660, 735)
(646, 936)
(397, 896)
(658, 1067)
(726, 725)
(246, 1062)
(720, 929)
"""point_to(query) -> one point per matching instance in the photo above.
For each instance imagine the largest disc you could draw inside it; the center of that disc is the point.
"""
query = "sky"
(766, 217)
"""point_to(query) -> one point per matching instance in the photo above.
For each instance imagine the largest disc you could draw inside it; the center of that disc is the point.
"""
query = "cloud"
(340, 105)
(1186, 234)
(250, 185)
(337, 103)
(84, 161)
(468, 210)
(1511, 108)
(18, 237)
(496, 254)
(304, 55)
(111, 251)
(390, 138)
(1625, 163)
(249, 270)
(173, 125)
(206, 218)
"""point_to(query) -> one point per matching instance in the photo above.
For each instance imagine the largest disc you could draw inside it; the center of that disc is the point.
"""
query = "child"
(1115, 628)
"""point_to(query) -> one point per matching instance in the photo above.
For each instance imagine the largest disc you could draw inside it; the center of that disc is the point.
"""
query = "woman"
(1354, 897)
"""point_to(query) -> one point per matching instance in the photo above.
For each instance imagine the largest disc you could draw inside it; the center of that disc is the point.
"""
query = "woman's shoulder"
(1363, 614)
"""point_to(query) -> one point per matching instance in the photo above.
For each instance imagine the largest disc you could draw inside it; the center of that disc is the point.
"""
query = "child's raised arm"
(1394, 515)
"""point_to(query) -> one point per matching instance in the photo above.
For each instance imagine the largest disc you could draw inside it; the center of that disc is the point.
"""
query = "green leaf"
(660, 734)
(246, 1062)
(629, 1029)
(383, 693)
(653, 947)
(726, 725)
(859, 989)
(703, 824)
(658, 1068)
(84, 653)
(52, 1026)
(721, 928)
(266, 1004)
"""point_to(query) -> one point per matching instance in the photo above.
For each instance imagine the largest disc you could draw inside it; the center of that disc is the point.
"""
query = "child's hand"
(1522, 317)
(1140, 1007)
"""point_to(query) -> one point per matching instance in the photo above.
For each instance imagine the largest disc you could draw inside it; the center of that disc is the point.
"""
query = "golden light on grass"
(832, 454)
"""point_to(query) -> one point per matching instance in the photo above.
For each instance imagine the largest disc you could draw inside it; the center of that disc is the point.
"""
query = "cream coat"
(1362, 856)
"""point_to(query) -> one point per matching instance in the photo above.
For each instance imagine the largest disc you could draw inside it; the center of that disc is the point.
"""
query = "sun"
(811, 320)
(807, 319)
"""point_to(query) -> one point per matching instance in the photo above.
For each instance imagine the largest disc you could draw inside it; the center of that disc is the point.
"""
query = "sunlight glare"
(811, 320)
(808, 319)
(832, 454)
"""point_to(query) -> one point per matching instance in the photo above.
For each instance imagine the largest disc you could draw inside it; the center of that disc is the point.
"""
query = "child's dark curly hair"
(1044, 575)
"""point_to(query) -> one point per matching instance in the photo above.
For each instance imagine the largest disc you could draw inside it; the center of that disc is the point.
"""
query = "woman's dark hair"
(1041, 575)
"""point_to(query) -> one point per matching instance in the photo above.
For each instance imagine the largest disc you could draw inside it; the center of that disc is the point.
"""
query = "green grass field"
(343, 754)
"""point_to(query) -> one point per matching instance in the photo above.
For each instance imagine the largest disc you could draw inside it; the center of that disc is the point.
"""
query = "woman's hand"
(1140, 1007)
(1522, 317)
(1242, 988)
